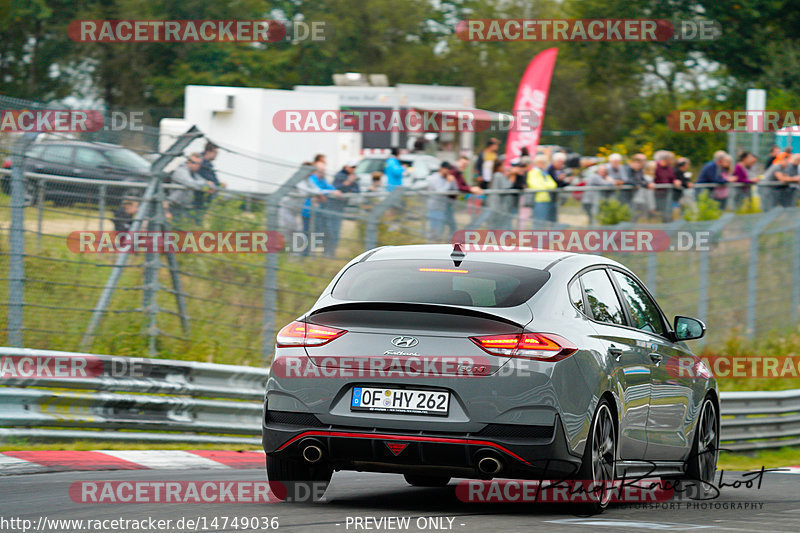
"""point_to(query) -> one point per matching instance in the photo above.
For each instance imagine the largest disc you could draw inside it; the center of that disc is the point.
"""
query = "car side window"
(35, 152)
(602, 298)
(86, 157)
(644, 311)
(576, 295)
(61, 155)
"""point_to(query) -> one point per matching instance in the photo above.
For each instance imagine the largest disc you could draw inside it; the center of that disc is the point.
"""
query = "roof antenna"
(458, 254)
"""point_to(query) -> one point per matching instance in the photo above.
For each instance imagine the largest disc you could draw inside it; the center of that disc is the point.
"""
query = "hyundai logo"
(405, 342)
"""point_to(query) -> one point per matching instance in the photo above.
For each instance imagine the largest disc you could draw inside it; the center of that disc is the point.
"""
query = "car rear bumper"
(524, 451)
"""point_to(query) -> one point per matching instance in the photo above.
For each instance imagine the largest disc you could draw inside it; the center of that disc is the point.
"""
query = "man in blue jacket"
(717, 171)
(394, 171)
(324, 221)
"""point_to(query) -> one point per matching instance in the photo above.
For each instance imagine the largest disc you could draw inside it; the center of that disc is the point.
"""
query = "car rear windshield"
(472, 284)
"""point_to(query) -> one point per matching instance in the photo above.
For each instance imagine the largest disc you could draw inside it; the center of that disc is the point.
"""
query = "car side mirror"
(688, 328)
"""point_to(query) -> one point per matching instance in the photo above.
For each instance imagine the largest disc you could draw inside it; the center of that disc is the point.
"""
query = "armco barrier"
(186, 401)
(158, 401)
(760, 420)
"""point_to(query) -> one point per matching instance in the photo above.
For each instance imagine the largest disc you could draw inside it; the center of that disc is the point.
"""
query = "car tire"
(600, 456)
(297, 482)
(426, 481)
(701, 466)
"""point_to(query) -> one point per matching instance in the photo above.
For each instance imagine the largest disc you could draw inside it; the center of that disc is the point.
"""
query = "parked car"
(419, 167)
(567, 369)
(79, 159)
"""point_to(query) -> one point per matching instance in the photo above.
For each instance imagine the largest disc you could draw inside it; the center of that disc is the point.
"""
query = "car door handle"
(77, 170)
(656, 358)
(615, 352)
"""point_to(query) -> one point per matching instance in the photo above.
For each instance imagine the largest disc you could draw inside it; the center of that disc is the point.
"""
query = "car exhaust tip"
(490, 465)
(311, 450)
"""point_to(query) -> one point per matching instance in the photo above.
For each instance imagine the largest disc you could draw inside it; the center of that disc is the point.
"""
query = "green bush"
(707, 209)
(749, 206)
(612, 211)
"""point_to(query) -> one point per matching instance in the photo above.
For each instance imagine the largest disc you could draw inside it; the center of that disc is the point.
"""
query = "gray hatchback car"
(426, 361)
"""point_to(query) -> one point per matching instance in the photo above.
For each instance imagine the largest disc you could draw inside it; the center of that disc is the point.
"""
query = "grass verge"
(767, 458)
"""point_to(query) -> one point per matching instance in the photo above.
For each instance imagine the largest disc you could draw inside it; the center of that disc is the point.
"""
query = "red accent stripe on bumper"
(408, 438)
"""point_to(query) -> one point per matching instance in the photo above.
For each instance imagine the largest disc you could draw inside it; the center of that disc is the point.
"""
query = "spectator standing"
(458, 172)
(345, 181)
(289, 210)
(664, 175)
(208, 173)
(774, 150)
(540, 181)
(377, 182)
(619, 175)
(783, 177)
(484, 164)
(716, 171)
(502, 207)
(683, 181)
(557, 169)
(394, 171)
(590, 199)
(742, 172)
(181, 201)
(440, 181)
(649, 192)
(634, 177)
(519, 180)
(558, 172)
(317, 186)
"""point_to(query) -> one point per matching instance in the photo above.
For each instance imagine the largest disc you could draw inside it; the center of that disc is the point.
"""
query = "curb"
(37, 462)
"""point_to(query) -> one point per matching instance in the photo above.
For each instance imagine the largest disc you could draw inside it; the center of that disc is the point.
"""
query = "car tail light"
(540, 346)
(7, 163)
(303, 334)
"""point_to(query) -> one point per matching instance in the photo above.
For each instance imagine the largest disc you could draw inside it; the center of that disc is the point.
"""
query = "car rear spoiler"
(512, 316)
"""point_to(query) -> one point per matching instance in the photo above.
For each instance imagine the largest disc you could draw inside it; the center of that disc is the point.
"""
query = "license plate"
(381, 400)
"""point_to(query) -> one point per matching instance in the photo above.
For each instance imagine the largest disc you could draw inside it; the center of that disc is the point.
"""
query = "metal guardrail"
(760, 420)
(187, 401)
(150, 400)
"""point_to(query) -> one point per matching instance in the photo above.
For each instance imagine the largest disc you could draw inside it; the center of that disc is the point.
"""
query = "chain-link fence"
(226, 307)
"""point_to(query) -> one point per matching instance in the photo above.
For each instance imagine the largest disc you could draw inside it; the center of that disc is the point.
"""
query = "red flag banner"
(532, 97)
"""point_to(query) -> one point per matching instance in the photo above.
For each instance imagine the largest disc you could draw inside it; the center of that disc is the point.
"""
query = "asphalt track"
(773, 507)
